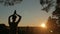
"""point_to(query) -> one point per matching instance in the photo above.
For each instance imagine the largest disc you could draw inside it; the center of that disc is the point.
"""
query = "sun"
(43, 25)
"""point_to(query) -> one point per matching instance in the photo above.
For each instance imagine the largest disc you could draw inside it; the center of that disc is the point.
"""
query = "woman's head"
(14, 18)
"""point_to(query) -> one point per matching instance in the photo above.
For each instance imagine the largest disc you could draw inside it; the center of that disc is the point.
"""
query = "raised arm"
(9, 21)
(19, 18)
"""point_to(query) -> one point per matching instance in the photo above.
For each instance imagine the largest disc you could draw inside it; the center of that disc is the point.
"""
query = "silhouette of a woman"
(13, 24)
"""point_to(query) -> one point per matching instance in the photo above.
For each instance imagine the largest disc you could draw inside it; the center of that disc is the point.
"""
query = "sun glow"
(43, 25)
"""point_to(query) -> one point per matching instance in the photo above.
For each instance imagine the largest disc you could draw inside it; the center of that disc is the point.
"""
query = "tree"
(52, 23)
(49, 4)
(10, 2)
(46, 4)
(57, 11)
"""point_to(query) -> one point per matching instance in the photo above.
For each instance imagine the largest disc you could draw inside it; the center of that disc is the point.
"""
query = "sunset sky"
(30, 10)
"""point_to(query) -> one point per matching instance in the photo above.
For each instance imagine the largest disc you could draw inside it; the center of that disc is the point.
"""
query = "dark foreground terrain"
(29, 30)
